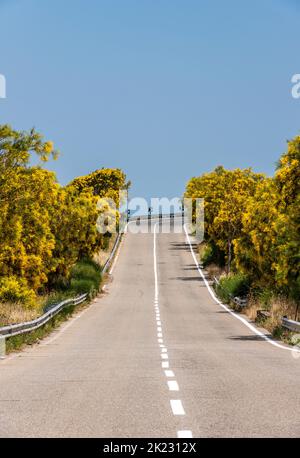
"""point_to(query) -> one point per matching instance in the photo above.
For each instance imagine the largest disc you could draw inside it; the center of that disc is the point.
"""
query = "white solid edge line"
(184, 434)
(177, 407)
(243, 320)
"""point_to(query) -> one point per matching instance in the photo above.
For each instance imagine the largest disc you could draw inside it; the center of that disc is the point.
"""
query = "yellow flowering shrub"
(16, 290)
(44, 228)
(255, 221)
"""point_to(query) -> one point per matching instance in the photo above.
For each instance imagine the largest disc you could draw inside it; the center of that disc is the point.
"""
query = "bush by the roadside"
(16, 290)
(87, 268)
(85, 276)
(82, 286)
(210, 254)
(232, 285)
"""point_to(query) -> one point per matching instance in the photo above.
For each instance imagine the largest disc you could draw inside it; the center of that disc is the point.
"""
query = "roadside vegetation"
(252, 236)
(50, 248)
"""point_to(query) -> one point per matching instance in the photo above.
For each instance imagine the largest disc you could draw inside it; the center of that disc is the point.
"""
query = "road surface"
(154, 357)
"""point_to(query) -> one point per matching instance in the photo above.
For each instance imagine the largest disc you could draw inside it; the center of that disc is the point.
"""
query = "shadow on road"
(253, 338)
(181, 246)
(191, 268)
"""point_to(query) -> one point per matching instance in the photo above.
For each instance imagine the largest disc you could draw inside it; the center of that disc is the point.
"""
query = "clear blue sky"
(164, 89)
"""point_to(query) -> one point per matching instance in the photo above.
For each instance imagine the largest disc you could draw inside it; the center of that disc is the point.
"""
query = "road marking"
(173, 385)
(177, 407)
(184, 434)
(169, 374)
(243, 320)
(155, 265)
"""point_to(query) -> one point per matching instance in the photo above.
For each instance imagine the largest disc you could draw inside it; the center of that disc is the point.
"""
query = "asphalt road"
(103, 374)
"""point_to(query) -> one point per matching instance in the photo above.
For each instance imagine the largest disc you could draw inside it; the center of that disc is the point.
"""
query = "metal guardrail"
(22, 328)
(112, 254)
(291, 325)
(155, 216)
(241, 302)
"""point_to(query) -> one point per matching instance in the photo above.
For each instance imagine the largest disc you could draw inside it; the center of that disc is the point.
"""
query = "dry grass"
(278, 308)
(214, 271)
(16, 313)
(252, 308)
(281, 307)
(201, 249)
(102, 255)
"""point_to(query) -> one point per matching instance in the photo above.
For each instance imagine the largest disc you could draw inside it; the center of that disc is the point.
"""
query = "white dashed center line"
(173, 385)
(184, 434)
(177, 407)
(169, 374)
(176, 404)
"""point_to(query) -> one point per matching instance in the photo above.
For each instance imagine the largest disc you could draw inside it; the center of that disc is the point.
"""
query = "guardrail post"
(2, 347)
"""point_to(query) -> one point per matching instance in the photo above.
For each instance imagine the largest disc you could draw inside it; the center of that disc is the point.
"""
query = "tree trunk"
(296, 314)
(229, 257)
